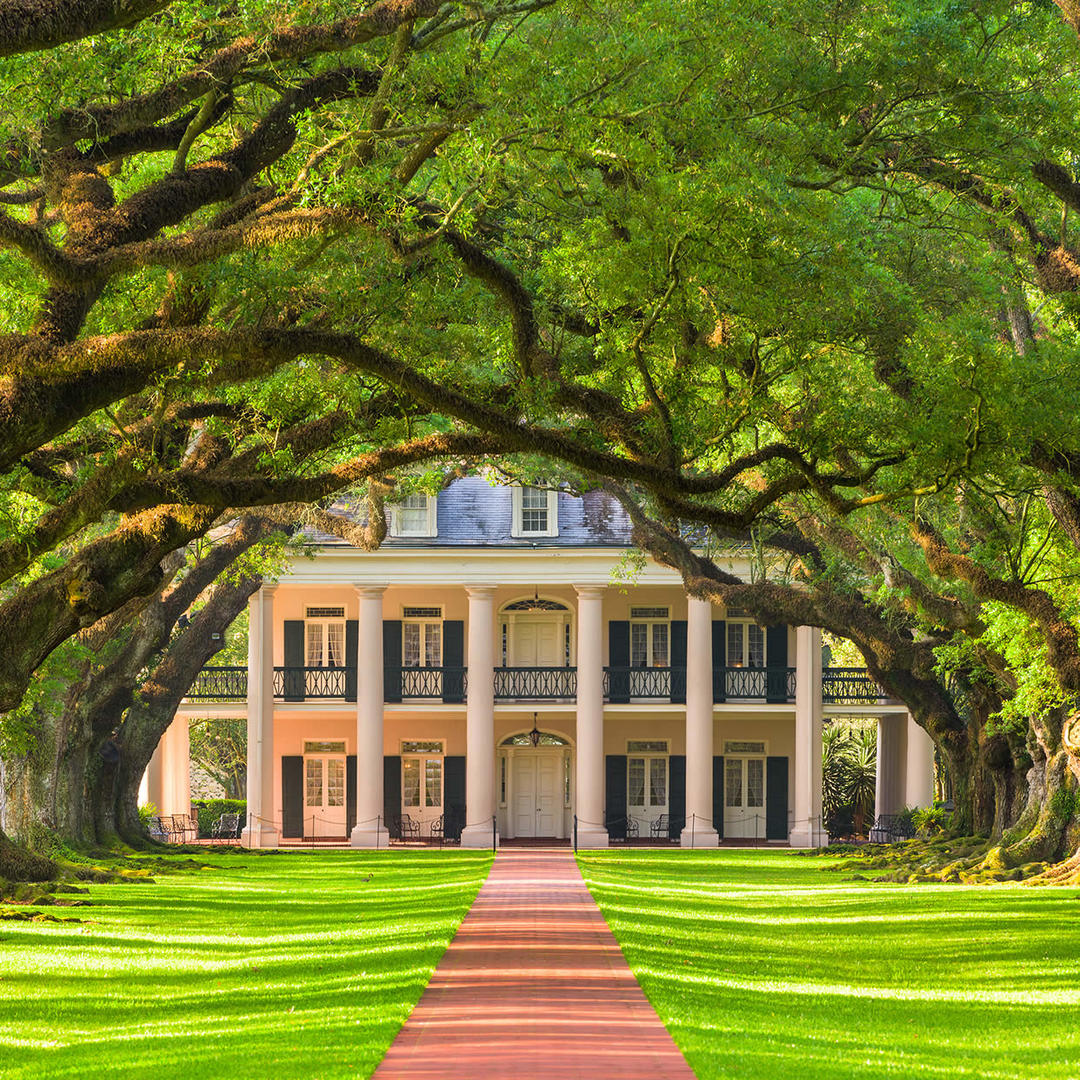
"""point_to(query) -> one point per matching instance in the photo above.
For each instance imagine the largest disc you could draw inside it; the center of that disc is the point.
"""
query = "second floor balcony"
(622, 685)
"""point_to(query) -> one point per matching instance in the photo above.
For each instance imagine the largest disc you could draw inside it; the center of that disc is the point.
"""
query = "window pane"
(534, 510)
(433, 782)
(635, 781)
(313, 781)
(658, 781)
(335, 782)
(639, 645)
(433, 644)
(410, 644)
(410, 782)
(660, 644)
(735, 645)
(335, 644)
(756, 635)
(733, 782)
(314, 644)
(755, 782)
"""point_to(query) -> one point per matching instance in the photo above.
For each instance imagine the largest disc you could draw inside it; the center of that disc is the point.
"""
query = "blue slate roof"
(473, 512)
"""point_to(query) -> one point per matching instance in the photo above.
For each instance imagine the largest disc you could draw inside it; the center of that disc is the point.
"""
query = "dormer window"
(536, 511)
(414, 516)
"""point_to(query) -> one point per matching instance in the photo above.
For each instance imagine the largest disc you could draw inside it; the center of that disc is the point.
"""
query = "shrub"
(930, 821)
(209, 810)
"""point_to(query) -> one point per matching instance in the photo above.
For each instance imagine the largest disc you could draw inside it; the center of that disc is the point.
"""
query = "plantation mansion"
(504, 667)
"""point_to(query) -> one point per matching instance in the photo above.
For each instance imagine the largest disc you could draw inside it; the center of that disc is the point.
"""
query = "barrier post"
(494, 832)
(575, 834)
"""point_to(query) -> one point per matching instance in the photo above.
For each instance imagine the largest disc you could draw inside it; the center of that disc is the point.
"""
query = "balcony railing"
(850, 686)
(220, 684)
(535, 683)
(443, 683)
(298, 683)
(650, 683)
(749, 683)
(839, 686)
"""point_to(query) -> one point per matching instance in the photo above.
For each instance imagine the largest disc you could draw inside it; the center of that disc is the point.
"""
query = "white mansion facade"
(499, 667)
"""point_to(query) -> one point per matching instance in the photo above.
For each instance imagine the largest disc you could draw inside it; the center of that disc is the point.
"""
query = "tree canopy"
(802, 275)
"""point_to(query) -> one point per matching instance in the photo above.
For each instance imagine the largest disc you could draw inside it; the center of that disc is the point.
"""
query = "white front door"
(324, 796)
(537, 805)
(744, 797)
(536, 643)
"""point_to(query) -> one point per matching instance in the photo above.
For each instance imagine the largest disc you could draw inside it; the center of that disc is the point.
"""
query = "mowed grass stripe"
(764, 966)
(294, 965)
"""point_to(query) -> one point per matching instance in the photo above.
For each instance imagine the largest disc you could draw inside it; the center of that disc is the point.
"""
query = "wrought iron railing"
(535, 683)
(297, 683)
(653, 683)
(447, 683)
(748, 683)
(220, 684)
(850, 686)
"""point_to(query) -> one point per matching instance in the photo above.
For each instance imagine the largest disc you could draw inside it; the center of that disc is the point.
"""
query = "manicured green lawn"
(266, 966)
(762, 965)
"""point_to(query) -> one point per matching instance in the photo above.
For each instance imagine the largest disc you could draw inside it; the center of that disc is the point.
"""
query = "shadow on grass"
(762, 966)
(298, 965)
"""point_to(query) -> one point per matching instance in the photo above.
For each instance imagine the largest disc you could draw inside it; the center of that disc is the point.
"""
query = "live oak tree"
(800, 275)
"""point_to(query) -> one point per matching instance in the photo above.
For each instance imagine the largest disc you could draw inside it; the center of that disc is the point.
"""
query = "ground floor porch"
(311, 781)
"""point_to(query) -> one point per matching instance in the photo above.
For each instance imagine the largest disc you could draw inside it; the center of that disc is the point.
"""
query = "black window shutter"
(351, 642)
(615, 808)
(676, 795)
(392, 794)
(718, 793)
(619, 662)
(453, 661)
(294, 660)
(453, 797)
(776, 802)
(350, 792)
(719, 660)
(391, 654)
(678, 661)
(776, 661)
(292, 797)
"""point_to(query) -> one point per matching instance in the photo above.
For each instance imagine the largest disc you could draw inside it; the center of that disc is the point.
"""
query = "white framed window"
(647, 774)
(745, 645)
(325, 641)
(422, 777)
(536, 511)
(415, 515)
(421, 637)
(650, 637)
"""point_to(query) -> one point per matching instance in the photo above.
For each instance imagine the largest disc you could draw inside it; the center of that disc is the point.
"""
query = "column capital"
(481, 592)
(372, 592)
(270, 589)
(590, 590)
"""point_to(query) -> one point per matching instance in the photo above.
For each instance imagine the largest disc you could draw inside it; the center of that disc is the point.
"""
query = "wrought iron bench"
(888, 828)
(661, 827)
(156, 828)
(632, 831)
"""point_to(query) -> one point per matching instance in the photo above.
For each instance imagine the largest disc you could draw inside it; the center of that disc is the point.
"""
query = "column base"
(701, 836)
(260, 836)
(478, 837)
(369, 838)
(808, 836)
(592, 836)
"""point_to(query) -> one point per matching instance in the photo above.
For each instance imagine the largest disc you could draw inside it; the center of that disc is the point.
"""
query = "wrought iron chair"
(226, 827)
(661, 827)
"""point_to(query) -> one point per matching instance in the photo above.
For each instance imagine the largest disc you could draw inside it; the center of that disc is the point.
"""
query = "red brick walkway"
(534, 985)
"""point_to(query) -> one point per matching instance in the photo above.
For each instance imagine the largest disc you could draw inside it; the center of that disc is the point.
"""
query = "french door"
(537, 799)
(324, 795)
(744, 797)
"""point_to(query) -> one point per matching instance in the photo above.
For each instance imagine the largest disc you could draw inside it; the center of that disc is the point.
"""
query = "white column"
(154, 779)
(263, 819)
(370, 830)
(699, 830)
(919, 774)
(889, 790)
(480, 720)
(589, 804)
(807, 830)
